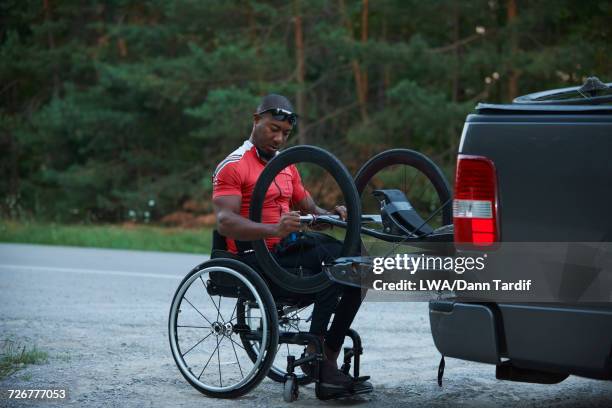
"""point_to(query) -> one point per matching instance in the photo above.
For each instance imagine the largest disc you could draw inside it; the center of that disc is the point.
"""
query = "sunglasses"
(282, 115)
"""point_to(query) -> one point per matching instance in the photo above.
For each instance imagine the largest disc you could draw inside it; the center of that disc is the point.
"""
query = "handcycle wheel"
(422, 169)
(202, 329)
(290, 319)
(305, 154)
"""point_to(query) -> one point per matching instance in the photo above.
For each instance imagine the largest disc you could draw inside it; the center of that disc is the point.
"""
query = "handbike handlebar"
(438, 235)
(311, 219)
(336, 220)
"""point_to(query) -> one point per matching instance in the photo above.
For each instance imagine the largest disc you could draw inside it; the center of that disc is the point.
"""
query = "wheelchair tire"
(291, 391)
(350, 246)
(268, 330)
(413, 159)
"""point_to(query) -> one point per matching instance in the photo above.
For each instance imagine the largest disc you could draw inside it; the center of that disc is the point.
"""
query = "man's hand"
(338, 210)
(341, 211)
(289, 222)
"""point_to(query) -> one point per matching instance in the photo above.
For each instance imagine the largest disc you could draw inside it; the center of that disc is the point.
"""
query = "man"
(233, 183)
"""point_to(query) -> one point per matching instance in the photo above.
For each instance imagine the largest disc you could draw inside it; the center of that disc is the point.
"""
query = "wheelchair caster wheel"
(291, 390)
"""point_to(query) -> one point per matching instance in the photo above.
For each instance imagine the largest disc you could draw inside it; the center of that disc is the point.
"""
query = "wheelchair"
(226, 330)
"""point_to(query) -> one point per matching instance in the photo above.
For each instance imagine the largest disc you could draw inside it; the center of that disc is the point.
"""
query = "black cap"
(274, 101)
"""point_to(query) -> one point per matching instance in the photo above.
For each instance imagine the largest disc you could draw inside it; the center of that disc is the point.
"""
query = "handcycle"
(224, 310)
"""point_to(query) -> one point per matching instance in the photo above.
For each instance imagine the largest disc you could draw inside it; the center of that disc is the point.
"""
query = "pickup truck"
(544, 165)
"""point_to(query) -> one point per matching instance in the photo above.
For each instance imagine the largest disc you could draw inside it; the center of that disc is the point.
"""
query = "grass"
(147, 238)
(14, 357)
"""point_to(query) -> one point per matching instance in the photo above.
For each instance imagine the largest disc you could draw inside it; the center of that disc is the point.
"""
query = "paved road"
(102, 315)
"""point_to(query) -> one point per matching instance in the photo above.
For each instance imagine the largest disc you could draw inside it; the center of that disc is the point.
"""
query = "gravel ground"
(102, 317)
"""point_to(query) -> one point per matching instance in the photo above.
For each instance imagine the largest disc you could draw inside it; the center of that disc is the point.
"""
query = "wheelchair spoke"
(219, 360)
(239, 345)
(196, 309)
(234, 311)
(237, 360)
(193, 327)
(213, 301)
(194, 346)
(209, 358)
(219, 311)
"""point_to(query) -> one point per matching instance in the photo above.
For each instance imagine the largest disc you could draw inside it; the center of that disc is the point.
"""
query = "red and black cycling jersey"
(237, 175)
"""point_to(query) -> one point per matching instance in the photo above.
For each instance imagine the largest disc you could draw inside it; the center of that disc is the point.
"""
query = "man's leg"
(345, 314)
(333, 381)
(326, 302)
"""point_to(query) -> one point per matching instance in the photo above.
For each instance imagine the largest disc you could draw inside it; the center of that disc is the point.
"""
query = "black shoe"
(362, 386)
(333, 382)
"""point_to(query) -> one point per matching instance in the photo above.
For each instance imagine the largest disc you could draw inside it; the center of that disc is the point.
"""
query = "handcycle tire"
(413, 159)
(350, 246)
(267, 300)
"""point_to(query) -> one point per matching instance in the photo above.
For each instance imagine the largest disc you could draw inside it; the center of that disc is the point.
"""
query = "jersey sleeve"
(227, 181)
(299, 191)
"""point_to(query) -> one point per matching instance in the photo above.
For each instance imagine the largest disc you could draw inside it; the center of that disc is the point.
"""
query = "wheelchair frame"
(225, 282)
(230, 278)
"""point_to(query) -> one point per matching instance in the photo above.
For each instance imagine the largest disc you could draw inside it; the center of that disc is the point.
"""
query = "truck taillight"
(475, 203)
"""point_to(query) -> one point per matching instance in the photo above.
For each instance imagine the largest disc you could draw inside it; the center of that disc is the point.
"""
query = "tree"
(108, 106)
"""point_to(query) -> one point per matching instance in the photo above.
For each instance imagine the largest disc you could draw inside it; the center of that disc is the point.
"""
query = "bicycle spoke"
(196, 309)
(408, 187)
(194, 346)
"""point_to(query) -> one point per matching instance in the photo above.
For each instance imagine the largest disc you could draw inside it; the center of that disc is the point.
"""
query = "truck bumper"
(464, 330)
(570, 339)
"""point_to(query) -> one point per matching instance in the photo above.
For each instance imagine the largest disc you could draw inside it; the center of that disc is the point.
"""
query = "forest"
(120, 110)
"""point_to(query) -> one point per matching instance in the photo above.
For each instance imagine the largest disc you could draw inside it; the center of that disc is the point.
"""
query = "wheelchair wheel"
(420, 180)
(205, 335)
(291, 319)
(286, 279)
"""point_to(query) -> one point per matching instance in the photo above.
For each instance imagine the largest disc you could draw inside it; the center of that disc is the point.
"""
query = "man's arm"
(232, 225)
